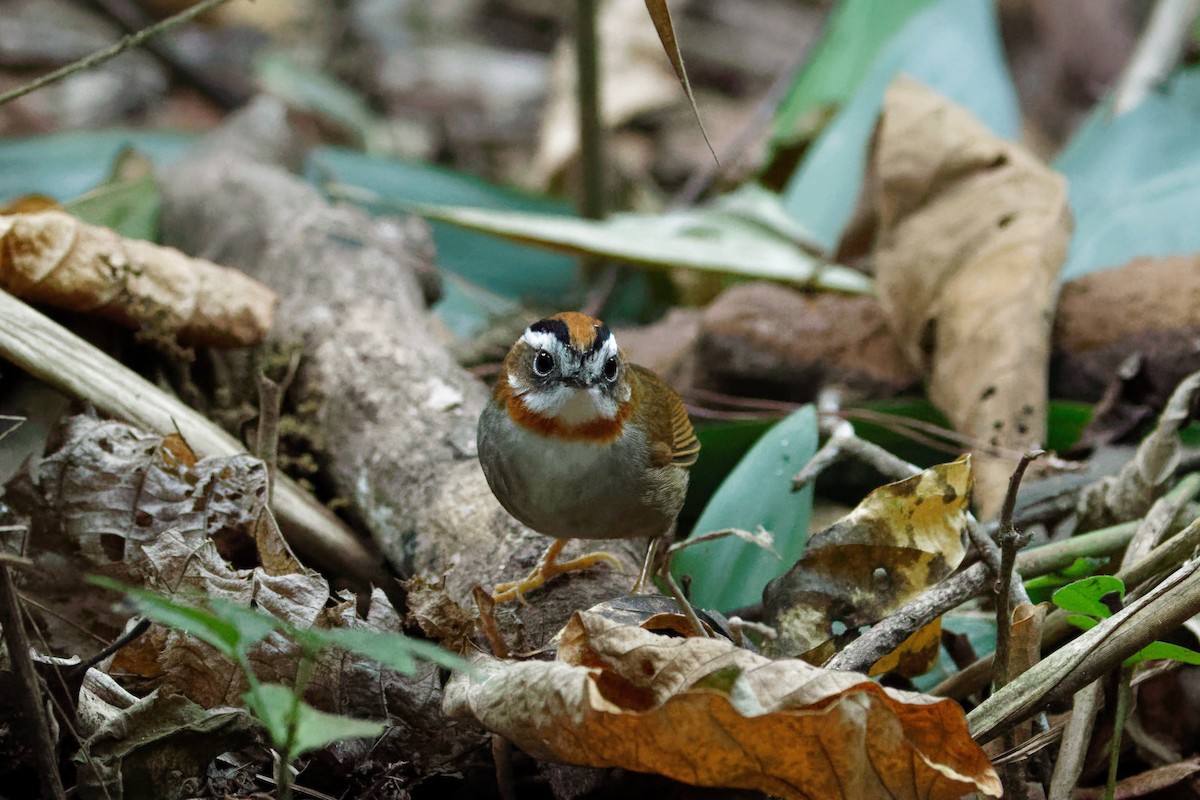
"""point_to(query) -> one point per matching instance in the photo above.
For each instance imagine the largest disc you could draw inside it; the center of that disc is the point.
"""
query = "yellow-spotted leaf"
(901, 539)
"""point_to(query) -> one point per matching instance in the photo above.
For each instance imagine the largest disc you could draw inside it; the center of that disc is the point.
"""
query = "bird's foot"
(547, 568)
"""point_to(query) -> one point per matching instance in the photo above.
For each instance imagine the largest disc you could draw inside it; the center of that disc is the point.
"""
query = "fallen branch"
(59, 358)
(1093, 653)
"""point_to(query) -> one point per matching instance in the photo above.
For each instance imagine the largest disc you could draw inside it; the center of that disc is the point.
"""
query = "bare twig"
(113, 50)
(1093, 653)
(33, 710)
(270, 405)
(1161, 517)
(1166, 556)
(1076, 739)
(1011, 541)
(1156, 54)
(843, 442)
(973, 581)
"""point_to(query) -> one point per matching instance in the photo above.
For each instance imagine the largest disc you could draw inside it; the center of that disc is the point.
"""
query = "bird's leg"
(647, 565)
(547, 567)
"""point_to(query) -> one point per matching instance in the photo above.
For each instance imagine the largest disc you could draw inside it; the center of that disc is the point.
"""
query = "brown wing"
(674, 431)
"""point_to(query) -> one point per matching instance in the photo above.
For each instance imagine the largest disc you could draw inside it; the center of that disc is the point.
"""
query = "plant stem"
(1124, 694)
(113, 50)
(591, 133)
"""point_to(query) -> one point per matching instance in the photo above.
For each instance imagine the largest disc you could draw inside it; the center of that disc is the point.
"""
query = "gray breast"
(576, 490)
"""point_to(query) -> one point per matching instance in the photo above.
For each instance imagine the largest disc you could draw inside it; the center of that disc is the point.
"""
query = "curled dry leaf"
(705, 712)
(110, 486)
(53, 258)
(972, 233)
(901, 539)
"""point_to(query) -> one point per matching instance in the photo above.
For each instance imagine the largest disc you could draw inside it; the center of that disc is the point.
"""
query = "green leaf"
(710, 240)
(723, 445)
(1084, 623)
(319, 93)
(129, 202)
(1135, 179)
(952, 46)
(277, 706)
(1043, 586)
(390, 649)
(65, 165)
(230, 634)
(515, 271)
(854, 33)
(1164, 650)
(1084, 596)
(729, 573)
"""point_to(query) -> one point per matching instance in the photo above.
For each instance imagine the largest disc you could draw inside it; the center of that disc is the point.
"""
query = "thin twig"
(1076, 740)
(113, 50)
(270, 406)
(37, 723)
(886, 635)
(1168, 605)
(1011, 541)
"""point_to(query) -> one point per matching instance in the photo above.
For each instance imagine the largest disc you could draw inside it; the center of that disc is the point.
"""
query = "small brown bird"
(577, 443)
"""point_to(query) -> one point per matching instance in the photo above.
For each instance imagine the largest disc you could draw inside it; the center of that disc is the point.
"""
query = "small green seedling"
(1084, 600)
(293, 726)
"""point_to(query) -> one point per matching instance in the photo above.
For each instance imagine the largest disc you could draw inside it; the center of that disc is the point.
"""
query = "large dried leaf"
(973, 231)
(53, 258)
(901, 539)
(707, 713)
(109, 486)
(153, 748)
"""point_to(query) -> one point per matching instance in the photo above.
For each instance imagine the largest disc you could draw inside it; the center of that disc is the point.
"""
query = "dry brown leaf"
(705, 712)
(51, 257)
(635, 78)
(972, 233)
(109, 486)
(901, 539)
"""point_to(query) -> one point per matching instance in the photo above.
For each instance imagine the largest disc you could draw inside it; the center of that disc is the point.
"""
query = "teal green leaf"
(853, 35)
(1135, 179)
(319, 93)
(979, 628)
(954, 47)
(515, 271)
(278, 706)
(65, 165)
(1164, 650)
(1084, 596)
(723, 445)
(710, 240)
(730, 573)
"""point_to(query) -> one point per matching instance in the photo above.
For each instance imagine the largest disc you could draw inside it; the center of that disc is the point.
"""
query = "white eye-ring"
(543, 363)
(610, 369)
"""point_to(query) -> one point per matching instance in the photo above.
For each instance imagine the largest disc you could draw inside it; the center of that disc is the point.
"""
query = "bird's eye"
(610, 368)
(543, 362)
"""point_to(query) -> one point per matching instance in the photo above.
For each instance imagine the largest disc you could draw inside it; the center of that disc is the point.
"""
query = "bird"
(576, 442)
